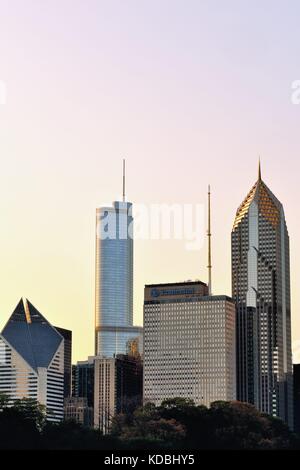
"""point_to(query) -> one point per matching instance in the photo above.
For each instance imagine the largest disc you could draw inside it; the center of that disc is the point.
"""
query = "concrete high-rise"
(32, 360)
(189, 344)
(261, 290)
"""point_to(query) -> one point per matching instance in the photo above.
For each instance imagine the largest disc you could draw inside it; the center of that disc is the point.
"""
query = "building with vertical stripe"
(114, 327)
(261, 290)
(67, 335)
(32, 360)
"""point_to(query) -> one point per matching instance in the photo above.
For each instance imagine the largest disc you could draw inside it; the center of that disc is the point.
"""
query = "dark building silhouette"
(73, 380)
(67, 335)
(297, 397)
(83, 381)
(118, 388)
(129, 383)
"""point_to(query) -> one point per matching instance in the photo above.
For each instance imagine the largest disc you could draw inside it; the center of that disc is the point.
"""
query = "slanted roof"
(31, 335)
(268, 204)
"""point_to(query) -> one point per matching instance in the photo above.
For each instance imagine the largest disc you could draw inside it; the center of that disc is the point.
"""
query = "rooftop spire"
(259, 170)
(209, 245)
(27, 311)
(123, 179)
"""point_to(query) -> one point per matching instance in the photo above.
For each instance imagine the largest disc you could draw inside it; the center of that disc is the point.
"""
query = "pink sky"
(191, 92)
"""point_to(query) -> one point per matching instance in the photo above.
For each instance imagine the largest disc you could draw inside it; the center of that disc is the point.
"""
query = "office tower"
(73, 380)
(189, 344)
(114, 279)
(32, 360)
(84, 380)
(297, 398)
(261, 290)
(118, 388)
(67, 335)
(77, 409)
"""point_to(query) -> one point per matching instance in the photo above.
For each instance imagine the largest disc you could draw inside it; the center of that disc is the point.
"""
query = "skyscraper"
(261, 290)
(189, 346)
(67, 335)
(114, 279)
(297, 398)
(118, 388)
(32, 360)
(83, 380)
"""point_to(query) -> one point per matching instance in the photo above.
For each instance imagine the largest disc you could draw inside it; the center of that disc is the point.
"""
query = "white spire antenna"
(124, 180)
(209, 267)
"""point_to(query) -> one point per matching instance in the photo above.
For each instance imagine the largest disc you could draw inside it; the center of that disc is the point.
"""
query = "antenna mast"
(209, 245)
(123, 179)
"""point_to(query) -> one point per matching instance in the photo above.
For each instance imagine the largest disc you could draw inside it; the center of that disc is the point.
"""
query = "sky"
(191, 92)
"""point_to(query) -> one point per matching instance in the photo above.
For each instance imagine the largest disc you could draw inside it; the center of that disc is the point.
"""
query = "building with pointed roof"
(261, 290)
(32, 360)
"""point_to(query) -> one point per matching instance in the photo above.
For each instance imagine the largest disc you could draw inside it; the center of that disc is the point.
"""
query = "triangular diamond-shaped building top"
(268, 204)
(31, 335)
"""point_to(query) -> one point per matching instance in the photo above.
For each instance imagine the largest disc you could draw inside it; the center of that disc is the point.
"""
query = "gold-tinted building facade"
(261, 290)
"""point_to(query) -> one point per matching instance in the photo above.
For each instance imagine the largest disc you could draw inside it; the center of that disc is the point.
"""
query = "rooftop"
(184, 283)
(31, 335)
(268, 204)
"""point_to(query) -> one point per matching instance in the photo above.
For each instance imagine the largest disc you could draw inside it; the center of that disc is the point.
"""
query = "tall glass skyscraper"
(261, 290)
(114, 330)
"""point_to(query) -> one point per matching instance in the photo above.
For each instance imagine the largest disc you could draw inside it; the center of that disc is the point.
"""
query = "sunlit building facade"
(189, 344)
(261, 290)
(32, 360)
(114, 280)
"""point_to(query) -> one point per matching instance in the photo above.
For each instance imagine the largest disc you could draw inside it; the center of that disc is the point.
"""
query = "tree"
(241, 426)
(31, 410)
(225, 425)
(148, 429)
(176, 423)
(4, 400)
(195, 420)
(70, 435)
(16, 431)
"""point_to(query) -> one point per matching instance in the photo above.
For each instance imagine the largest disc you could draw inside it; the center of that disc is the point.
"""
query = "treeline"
(179, 423)
(176, 424)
